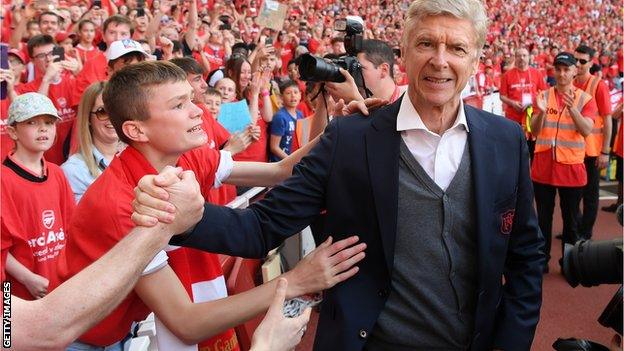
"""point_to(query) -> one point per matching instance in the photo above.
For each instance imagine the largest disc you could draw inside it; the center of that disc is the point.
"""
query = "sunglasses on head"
(100, 114)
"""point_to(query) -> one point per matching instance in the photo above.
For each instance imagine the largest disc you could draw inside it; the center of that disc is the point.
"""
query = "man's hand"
(276, 332)
(540, 102)
(517, 105)
(568, 99)
(53, 72)
(602, 161)
(346, 90)
(171, 197)
(37, 285)
(326, 266)
(340, 109)
(72, 65)
(6, 75)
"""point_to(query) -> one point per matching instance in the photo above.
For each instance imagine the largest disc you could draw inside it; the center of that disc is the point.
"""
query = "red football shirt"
(102, 219)
(34, 216)
(94, 70)
(514, 83)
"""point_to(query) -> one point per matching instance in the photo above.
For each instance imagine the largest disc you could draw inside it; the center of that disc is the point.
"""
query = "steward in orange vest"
(563, 118)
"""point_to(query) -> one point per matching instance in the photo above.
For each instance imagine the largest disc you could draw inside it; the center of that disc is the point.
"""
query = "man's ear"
(385, 70)
(133, 130)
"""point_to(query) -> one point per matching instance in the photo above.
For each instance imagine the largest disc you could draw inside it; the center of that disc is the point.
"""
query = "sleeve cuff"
(226, 163)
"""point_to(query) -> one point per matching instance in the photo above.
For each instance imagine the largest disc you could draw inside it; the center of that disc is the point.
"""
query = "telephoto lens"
(316, 69)
(592, 263)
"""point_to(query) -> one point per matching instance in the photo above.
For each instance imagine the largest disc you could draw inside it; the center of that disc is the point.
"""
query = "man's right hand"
(37, 285)
(53, 71)
(172, 197)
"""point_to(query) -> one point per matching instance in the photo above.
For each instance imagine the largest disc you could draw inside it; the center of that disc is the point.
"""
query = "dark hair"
(127, 93)
(50, 13)
(83, 22)
(584, 49)
(188, 64)
(595, 68)
(336, 40)
(127, 58)
(117, 19)
(378, 52)
(287, 84)
(37, 41)
(240, 48)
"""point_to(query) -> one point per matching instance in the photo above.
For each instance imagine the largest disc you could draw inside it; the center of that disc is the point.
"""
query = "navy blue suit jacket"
(353, 174)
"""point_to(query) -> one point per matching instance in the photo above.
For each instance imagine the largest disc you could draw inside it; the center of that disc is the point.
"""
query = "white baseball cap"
(122, 47)
(29, 105)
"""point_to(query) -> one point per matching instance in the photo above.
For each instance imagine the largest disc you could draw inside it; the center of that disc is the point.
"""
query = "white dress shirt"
(438, 155)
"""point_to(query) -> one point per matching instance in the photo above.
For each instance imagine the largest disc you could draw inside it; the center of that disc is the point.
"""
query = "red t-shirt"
(87, 55)
(216, 57)
(93, 71)
(546, 170)
(217, 137)
(34, 216)
(257, 151)
(514, 83)
(6, 143)
(602, 97)
(106, 206)
(61, 95)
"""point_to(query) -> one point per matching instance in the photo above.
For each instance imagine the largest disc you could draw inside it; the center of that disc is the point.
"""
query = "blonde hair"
(471, 10)
(83, 130)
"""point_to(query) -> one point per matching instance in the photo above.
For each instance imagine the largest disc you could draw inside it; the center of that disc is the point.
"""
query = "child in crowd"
(86, 34)
(213, 101)
(284, 122)
(150, 105)
(37, 201)
(227, 88)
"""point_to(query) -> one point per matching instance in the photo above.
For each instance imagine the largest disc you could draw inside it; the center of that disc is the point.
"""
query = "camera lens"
(592, 263)
(316, 69)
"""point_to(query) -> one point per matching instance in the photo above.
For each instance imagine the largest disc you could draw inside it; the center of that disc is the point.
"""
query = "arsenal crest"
(507, 221)
(47, 217)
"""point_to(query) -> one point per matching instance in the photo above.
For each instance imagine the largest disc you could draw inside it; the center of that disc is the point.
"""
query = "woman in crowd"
(97, 142)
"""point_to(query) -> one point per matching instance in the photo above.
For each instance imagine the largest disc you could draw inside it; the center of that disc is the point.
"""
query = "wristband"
(264, 93)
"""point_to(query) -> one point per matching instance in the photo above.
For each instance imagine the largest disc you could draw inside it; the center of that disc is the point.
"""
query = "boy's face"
(213, 103)
(293, 72)
(199, 86)
(34, 135)
(175, 123)
(291, 97)
(227, 88)
(16, 65)
(67, 45)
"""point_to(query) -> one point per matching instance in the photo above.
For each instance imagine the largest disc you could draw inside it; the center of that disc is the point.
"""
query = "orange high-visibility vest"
(593, 142)
(559, 133)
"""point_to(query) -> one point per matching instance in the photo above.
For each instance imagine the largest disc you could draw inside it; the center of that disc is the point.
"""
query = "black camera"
(316, 69)
(591, 263)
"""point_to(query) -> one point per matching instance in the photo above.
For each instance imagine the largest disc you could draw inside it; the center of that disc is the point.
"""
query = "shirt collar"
(99, 157)
(408, 118)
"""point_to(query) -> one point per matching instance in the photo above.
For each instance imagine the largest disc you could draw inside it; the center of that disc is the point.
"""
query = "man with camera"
(441, 272)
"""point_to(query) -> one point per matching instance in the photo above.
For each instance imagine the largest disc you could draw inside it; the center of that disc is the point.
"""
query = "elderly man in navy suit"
(439, 191)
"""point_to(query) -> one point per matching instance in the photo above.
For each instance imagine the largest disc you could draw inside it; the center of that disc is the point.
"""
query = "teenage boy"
(150, 106)
(56, 81)
(116, 27)
(284, 122)
(37, 201)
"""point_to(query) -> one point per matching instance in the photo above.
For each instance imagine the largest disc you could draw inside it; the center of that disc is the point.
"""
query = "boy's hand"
(255, 131)
(238, 142)
(37, 285)
(276, 332)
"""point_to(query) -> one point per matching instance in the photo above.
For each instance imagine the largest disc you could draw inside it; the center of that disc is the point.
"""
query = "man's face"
(564, 74)
(124, 61)
(583, 63)
(116, 31)
(522, 59)
(199, 86)
(440, 55)
(175, 124)
(372, 75)
(213, 104)
(140, 23)
(49, 24)
(42, 57)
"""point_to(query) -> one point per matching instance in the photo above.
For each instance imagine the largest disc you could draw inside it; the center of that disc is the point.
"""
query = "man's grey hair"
(471, 10)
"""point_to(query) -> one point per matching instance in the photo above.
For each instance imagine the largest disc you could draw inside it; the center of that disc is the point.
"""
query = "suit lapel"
(382, 150)
(482, 156)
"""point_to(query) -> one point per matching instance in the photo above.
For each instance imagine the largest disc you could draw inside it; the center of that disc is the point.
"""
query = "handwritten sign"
(272, 15)
(235, 116)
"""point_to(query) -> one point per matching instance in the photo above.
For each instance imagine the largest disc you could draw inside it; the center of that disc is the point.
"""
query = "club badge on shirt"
(507, 221)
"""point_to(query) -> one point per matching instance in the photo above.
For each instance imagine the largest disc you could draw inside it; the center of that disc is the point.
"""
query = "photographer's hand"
(347, 90)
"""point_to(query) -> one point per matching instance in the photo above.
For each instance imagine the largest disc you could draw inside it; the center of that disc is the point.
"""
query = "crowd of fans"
(227, 58)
